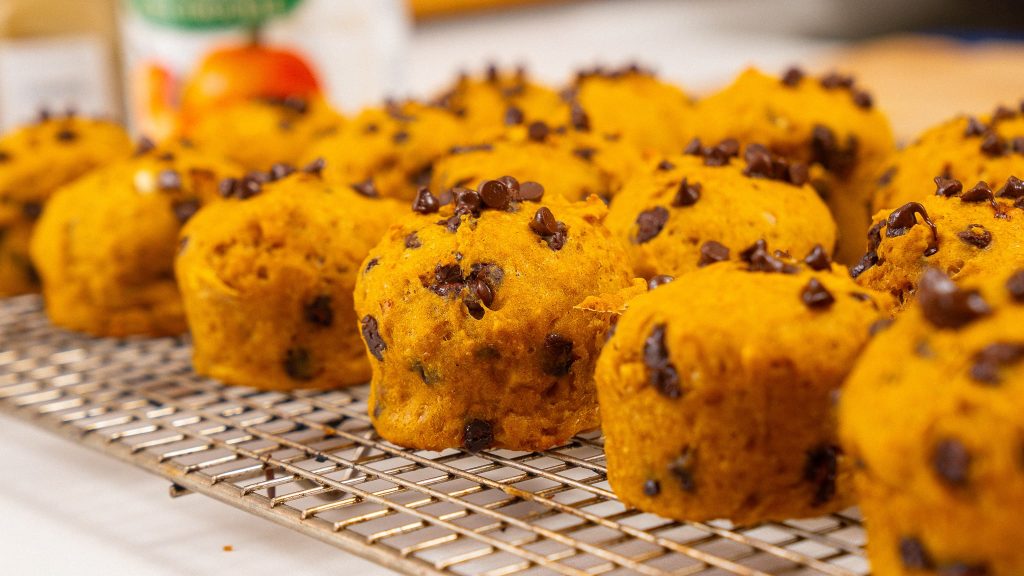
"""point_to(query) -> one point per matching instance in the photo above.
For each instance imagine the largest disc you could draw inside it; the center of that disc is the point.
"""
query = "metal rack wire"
(311, 461)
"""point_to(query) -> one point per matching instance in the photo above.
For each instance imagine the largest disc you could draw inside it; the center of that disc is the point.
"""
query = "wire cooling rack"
(311, 461)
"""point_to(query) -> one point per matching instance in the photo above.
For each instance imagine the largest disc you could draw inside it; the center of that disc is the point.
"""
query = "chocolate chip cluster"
(832, 81)
(252, 183)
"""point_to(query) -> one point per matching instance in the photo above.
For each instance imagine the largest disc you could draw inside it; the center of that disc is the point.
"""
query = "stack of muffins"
(770, 311)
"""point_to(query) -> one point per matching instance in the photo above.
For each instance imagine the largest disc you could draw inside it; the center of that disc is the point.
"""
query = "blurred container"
(57, 54)
(183, 58)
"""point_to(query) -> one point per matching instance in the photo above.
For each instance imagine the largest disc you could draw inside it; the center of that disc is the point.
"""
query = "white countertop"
(67, 510)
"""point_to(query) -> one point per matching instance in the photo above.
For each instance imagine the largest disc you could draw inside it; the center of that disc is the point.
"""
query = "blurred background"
(140, 60)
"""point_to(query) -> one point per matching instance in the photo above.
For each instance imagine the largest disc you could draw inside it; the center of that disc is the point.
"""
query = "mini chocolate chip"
(879, 325)
(412, 241)
(1013, 188)
(961, 569)
(579, 118)
(451, 223)
(425, 202)
(759, 161)
(495, 194)
(863, 99)
(513, 116)
(318, 311)
(1017, 144)
(825, 150)
(32, 210)
(951, 462)
(280, 170)
(538, 131)
(298, 364)
(792, 76)
(558, 356)
(185, 209)
(693, 148)
(67, 135)
(993, 145)
(947, 187)
(711, 252)
(976, 235)
(661, 372)
(1015, 286)
(168, 180)
(1002, 113)
(544, 222)
(834, 80)
(530, 192)
(886, 178)
(557, 240)
(991, 358)
(585, 153)
(467, 202)
(400, 137)
(760, 260)
(477, 435)
(371, 334)
(143, 146)
(720, 154)
(316, 167)
(947, 306)
(652, 487)
(665, 166)
(247, 188)
(649, 224)
(817, 259)
(366, 188)
(913, 554)
(687, 194)
(820, 469)
(683, 469)
(815, 296)
(659, 280)
(902, 219)
(371, 264)
(974, 127)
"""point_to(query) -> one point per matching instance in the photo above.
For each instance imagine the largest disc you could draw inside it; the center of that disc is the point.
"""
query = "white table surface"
(67, 510)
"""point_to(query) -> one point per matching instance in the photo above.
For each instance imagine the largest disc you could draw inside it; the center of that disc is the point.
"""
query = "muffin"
(966, 148)
(502, 98)
(533, 156)
(633, 104)
(693, 210)
(469, 314)
(105, 245)
(827, 123)
(723, 407)
(390, 149)
(35, 160)
(965, 232)
(259, 133)
(267, 283)
(931, 417)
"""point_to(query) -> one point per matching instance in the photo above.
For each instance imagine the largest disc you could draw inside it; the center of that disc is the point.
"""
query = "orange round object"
(245, 72)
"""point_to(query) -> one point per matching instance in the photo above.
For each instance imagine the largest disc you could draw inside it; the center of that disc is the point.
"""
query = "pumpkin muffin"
(502, 98)
(474, 318)
(967, 233)
(931, 417)
(390, 149)
(261, 132)
(35, 160)
(105, 246)
(828, 123)
(722, 407)
(967, 148)
(633, 104)
(692, 210)
(267, 283)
